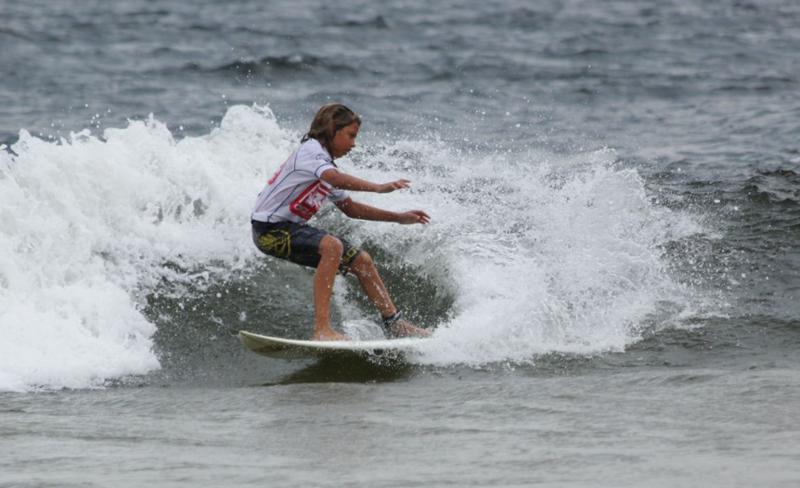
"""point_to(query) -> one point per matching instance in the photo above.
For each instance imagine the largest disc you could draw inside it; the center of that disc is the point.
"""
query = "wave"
(528, 253)
(376, 22)
(780, 186)
(272, 64)
(88, 224)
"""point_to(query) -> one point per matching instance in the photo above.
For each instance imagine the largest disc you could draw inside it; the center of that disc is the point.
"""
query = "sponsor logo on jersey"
(310, 200)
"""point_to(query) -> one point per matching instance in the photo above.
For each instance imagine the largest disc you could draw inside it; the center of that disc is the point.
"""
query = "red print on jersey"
(275, 176)
(308, 202)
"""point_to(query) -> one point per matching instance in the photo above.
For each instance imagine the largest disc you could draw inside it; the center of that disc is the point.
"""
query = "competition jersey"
(296, 192)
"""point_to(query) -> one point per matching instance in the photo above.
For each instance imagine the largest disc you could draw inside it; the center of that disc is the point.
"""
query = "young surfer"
(294, 194)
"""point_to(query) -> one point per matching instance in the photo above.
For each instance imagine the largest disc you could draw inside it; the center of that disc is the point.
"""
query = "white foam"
(87, 223)
(544, 254)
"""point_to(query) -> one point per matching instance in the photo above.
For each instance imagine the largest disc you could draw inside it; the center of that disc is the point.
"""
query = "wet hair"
(330, 118)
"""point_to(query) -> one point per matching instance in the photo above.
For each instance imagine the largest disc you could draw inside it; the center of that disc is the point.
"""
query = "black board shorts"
(298, 243)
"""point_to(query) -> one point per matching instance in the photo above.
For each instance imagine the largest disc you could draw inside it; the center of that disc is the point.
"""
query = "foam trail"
(543, 254)
(87, 224)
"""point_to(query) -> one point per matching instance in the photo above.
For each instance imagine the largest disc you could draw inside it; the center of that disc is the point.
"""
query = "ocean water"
(612, 267)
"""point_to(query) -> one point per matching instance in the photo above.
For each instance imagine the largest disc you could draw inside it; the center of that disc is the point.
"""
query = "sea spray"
(543, 253)
(532, 252)
(90, 225)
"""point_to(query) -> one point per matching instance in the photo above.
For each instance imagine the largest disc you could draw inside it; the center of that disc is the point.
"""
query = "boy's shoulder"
(312, 151)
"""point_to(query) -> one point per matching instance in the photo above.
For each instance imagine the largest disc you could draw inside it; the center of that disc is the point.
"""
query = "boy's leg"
(330, 251)
(307, 246)
(364, 269)
(372, 284)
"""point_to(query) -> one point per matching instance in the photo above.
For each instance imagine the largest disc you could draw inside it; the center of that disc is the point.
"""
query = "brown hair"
(330, 118)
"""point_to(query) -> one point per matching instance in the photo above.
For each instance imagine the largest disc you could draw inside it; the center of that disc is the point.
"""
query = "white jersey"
(296, 192)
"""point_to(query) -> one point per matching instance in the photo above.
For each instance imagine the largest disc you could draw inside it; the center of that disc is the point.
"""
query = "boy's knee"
(363, 259)
(331, 246)
(363, 263)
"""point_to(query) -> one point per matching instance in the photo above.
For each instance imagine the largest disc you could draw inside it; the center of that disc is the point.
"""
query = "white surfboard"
(278, 347)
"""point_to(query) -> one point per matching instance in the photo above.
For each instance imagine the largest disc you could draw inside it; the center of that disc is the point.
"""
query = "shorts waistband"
(260, 226)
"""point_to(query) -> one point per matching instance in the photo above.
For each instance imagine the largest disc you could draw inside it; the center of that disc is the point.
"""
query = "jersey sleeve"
(313, 159)
(336, 194)
(321, 163)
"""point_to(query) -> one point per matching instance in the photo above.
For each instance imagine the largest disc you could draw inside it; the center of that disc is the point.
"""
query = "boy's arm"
(362, 211)
(337, 179)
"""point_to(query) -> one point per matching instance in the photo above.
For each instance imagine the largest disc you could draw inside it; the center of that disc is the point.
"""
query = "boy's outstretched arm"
(337, 179)
(362, 211)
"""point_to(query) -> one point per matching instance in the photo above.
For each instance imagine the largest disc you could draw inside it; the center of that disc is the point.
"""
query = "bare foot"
(327, 334)
(404, 328)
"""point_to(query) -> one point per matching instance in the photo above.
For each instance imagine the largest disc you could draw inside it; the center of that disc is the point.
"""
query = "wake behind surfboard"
(278, 347)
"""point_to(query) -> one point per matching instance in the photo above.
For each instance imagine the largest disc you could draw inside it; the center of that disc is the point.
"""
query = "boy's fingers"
(422, 217)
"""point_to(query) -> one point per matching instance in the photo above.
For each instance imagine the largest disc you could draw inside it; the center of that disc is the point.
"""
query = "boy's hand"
(413, 217)
(393, 185)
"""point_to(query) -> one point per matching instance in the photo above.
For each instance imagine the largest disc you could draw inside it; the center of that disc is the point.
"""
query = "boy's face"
(344, 140)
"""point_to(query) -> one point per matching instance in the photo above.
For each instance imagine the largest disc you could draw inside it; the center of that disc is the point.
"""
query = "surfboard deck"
(279, 347)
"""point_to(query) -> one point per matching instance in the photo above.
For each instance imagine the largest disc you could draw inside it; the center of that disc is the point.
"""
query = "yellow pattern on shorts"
(347, 259)
(278, 243)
